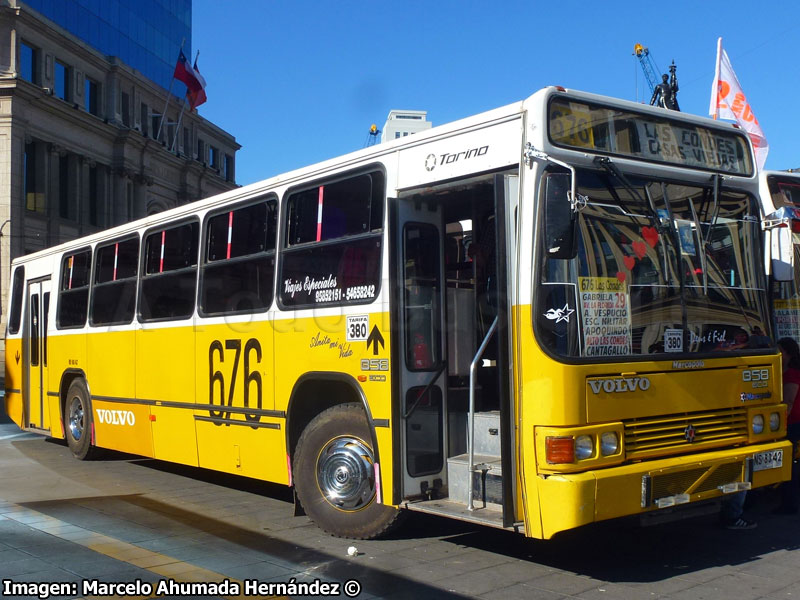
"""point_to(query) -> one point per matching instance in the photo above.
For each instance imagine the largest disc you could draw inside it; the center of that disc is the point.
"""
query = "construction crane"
(651, 70)
(372, 136)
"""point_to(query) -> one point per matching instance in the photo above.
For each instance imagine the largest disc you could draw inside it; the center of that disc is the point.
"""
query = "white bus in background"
(780, 199)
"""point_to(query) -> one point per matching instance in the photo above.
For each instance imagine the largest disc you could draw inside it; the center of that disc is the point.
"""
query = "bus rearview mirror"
(559, 218)
(782, 253)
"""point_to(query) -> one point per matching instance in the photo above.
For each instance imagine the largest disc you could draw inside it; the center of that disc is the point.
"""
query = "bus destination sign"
(627, 134)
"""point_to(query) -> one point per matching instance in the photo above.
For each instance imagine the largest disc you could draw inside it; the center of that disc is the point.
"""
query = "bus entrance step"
(488, 515)
(487, 479)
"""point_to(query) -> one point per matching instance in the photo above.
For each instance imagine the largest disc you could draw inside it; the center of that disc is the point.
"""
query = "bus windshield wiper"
(605, 163)
(662, 225)
(704, 239)
(702, 248)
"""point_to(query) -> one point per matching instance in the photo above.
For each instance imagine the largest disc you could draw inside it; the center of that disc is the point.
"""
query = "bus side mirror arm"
(577, 202)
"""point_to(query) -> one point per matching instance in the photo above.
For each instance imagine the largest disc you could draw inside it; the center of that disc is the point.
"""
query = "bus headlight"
(584, 448)
(774, 421)
(758, 424)
(609, 443)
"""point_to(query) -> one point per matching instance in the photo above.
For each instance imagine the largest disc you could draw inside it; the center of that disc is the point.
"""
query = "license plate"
(767, 460)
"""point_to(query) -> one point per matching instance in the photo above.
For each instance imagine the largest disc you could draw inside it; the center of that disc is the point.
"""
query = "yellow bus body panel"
(165, 365)
(13, 380)
(122, 427)
(53, 408)
(111, 359)
(66, 353)
(237, 358)
(118, 423)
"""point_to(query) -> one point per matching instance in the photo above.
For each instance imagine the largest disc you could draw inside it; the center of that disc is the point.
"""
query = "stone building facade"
(78, 147)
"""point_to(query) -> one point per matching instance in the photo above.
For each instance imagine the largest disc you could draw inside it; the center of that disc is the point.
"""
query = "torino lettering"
(116, 417)
(447, 158)
(622, 384)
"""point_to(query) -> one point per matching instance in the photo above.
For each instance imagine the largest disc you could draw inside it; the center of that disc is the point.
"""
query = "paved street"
(125, 519)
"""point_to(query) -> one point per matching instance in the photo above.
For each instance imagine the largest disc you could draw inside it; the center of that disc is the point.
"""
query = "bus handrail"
(473, 369)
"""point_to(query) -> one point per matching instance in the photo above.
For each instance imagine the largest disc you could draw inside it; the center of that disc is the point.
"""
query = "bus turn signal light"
(559, 449)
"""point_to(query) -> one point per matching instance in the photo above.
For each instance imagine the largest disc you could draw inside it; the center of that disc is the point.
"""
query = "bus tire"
(78, 421)
(334, 475)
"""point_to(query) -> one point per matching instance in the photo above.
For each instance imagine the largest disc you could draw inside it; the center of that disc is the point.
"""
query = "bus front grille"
(688, 432)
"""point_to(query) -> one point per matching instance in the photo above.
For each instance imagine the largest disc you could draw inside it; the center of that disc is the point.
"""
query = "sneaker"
(741, 523)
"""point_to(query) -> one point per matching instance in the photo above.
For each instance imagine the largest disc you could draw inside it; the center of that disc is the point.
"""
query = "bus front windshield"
(657, 267)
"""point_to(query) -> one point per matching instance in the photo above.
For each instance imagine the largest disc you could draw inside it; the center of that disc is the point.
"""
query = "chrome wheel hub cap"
(76, 420)
(345, 473)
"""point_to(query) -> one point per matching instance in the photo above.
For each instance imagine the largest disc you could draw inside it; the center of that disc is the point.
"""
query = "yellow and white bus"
(530, 318)
(780, 197)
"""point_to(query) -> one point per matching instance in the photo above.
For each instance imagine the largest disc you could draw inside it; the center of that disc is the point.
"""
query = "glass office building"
(144, 34)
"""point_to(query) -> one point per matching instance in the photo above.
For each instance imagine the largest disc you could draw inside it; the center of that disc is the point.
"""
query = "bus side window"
(73, 294)
(114, 283)
(168, 283)
(239, 260)
(333, 243)
(15, 314)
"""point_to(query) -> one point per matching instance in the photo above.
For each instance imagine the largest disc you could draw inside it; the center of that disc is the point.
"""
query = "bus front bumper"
(571, 500)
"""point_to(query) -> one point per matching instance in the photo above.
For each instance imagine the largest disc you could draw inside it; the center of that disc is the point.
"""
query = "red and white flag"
(197, 96)
(191, 78)
(729, 102)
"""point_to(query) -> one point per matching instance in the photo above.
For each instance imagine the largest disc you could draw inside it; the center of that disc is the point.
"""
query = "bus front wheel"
(78, 420)
(334, 475)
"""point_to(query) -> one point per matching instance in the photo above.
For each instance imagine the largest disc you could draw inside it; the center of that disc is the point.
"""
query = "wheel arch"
(67, 377)
(316, 392)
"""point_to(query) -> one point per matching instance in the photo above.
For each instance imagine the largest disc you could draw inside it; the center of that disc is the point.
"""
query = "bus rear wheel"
(78, 421)
(334, 475)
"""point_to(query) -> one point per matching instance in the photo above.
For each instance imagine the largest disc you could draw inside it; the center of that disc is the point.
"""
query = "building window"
(201, 151)
(228, 167)
(67, 208)
(214, 157)
(34, 200)
(186, 145)
(129, 201)
(155, 124)
(90, 93)
(63, 76)
(144, 117)
(125, 109)
(94, 197)
(29, 63)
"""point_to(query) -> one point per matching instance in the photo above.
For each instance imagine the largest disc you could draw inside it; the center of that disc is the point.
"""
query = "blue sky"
(299, 81)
